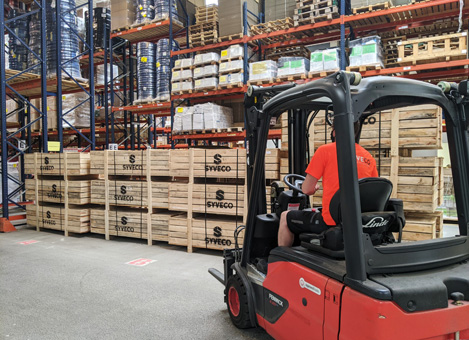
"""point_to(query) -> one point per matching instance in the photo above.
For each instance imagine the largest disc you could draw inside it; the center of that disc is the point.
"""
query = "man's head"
(356, 130)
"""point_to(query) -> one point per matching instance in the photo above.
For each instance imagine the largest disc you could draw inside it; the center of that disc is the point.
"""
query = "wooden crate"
(177, 230)
(215, 232)
(124, 222)
(179, 163)
(160, 225)
(78, 163)
(219, 163)
(220, 199)
(272, 163)
(419, 127)
(131, 163)
(53, 190)
(121, 193)
(160, 195)
(420, 226)
(433, 49)
(56, 217)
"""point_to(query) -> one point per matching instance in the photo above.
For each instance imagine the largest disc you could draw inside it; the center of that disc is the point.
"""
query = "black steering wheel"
(297, 184)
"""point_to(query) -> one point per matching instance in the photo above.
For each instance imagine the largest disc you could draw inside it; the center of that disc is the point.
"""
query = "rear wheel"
(237, 302)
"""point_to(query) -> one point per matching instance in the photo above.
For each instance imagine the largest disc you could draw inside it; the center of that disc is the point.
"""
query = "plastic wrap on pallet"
(197, 120)
(183, 63)
(187, 118)
(292, 66)
(331, 59)
(100, 73)
(205, 71)
(316, 61)
(231, 66)
(234, 51)
(206, 58)
(76, 110)
(145, 11)
(163, 71)
(366, 51)
(18, 53)
(162, 9)
(13, 180)
(262, 70)
(205, 83)
(180, 75)
(146, 70)
(232, 78)
(215, 116)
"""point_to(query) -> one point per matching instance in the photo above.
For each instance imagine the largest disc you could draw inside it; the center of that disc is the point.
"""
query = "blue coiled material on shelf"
(18, 53)
(146, 70)
(145, 10)
(163, 68)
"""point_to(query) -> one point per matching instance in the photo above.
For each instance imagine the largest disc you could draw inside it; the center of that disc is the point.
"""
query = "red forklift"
(351, 281)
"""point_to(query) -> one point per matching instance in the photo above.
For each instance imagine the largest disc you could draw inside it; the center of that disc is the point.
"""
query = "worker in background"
(323, 165)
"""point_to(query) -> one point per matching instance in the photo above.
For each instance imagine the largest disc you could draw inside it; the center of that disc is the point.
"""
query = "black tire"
(239, 313)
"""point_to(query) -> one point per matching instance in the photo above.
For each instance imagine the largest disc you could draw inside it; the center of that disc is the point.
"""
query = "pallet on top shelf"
(316, 15)
(273, 26)
(372, 7)
(206, 13)
(433, 49)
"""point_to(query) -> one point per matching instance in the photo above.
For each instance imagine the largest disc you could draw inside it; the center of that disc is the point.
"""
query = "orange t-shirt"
(324, 164)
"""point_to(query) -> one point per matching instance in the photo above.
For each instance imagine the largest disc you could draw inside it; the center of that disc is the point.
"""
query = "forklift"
(349, 282)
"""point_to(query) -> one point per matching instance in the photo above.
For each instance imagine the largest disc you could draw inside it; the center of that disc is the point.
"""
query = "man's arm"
(310, 185)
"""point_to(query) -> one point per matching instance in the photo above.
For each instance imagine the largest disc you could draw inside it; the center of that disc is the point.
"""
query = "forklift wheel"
(237, 302)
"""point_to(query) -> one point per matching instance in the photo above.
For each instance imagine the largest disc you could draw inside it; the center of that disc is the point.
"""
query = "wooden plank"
(215, 232)
(54, 217)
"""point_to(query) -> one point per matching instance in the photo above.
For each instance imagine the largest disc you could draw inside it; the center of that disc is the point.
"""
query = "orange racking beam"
(214, 93)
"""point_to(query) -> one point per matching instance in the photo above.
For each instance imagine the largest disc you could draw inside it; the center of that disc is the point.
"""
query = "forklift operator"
(323, 164)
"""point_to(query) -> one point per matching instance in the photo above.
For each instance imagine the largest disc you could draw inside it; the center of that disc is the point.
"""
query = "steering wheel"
(297, 186)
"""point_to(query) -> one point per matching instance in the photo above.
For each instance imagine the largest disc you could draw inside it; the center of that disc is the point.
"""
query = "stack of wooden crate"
(418, 181)
(205, 31)
(133, 194)
(312, 11)
(60, 190)
(214, 197)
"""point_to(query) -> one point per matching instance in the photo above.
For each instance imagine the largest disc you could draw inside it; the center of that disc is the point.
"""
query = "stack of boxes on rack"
(60, 190)
(133, 194)
(205, 30)
(418, 181)
(205, 71)
(202, 117)
(182, 76)
(231, 67)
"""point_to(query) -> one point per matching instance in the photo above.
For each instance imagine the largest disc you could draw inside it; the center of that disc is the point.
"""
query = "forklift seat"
(380, 217)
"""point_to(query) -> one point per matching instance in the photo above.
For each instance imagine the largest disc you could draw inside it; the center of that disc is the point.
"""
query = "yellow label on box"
(197, 70)
(177, 63)
(176, 74)
(48, 108)
(64, 97)
(143, 59)
(198, 82)
(180, 110)
(144, 15)
(223, 66)
(140, 7)
(222, 78)
(158, 64)
(224, 53)
(53, 146)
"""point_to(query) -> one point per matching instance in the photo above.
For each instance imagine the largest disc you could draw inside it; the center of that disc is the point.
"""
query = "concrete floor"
(80, 287)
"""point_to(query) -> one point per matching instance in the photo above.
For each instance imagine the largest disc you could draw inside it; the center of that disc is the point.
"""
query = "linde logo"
(132, 165)
(46, 167)
(123, 196)
(124, 227)
(217, 233)
(217, 159)
(220, 196)
(376, 222)
(276, 300)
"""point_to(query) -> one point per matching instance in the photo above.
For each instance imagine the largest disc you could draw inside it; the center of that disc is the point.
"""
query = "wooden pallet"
(204, 27)
(288, 51)
(291, 77)
(230, 86)
(202, 18)
(145, 101)
(433, 49)
(363, 68)
(316, 15)
(121, 29)
(206, 88)
(273, 26)
(230, 37)
(314, 6)
(321, 74)
(181, 92)
(261, 81)
(303, 3)
(372, 8)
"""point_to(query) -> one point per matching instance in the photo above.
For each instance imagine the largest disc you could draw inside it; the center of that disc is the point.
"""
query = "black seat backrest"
(374, 196)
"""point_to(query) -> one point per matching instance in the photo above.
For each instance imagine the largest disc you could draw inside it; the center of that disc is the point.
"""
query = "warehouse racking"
(390, 22)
